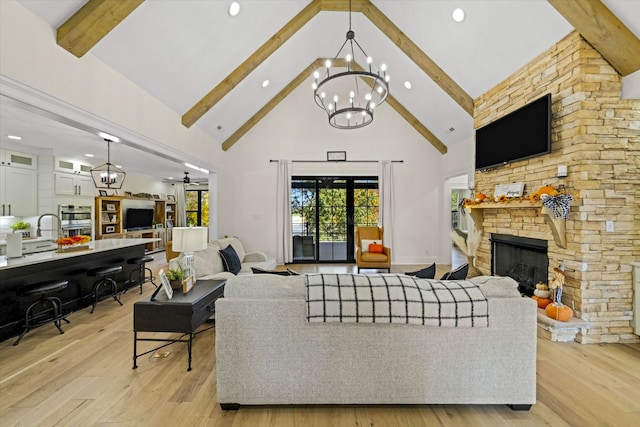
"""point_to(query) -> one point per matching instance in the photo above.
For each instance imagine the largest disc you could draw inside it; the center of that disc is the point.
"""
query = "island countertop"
(95, 246)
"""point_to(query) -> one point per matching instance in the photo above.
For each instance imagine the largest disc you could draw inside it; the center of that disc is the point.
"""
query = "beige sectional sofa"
(208, 263)
(268, 354)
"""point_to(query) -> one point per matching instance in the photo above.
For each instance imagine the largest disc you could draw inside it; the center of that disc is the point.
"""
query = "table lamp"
(189, 240)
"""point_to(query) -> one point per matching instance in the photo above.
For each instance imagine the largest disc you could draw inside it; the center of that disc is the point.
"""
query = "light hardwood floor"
(84, 378)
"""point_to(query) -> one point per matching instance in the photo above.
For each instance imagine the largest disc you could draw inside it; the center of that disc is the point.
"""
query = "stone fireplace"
(597, 136)
(521, 258)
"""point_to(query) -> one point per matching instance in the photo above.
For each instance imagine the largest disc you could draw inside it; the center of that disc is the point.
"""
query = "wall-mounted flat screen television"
(519, 135)
(138, 219)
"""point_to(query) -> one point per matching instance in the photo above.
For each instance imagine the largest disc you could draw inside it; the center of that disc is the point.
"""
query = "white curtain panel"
(385, 188)
(181, 206)
(283, 215)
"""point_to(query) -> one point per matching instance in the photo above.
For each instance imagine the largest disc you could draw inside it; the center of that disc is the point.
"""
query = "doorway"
(324, 212)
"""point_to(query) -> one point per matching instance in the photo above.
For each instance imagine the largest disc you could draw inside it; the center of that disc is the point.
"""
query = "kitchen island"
(72, 266)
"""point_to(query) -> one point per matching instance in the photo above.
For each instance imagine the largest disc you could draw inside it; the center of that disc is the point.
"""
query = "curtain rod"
(338, 161)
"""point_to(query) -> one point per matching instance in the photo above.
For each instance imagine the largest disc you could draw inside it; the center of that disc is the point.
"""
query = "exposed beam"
(420, 58)
(92, 22)
(299, 79)
(250, 64)
(606, 33)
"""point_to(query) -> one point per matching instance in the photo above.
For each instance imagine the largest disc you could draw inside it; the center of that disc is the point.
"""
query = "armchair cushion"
(376, 248)
(366, 242)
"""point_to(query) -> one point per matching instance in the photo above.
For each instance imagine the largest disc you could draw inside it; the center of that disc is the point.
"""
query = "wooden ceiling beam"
(420, 58)
(91, 23)
(304, 75)
(604, 31)
(250, 64)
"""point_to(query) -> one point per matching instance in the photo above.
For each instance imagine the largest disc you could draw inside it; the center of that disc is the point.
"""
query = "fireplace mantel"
(557, 225)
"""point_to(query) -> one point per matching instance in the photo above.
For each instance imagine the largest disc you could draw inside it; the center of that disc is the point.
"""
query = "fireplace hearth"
(521, 258)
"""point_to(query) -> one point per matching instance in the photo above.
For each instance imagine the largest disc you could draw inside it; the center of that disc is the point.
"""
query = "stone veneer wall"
(597, 135)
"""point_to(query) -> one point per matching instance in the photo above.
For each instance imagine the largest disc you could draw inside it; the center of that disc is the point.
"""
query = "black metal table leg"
(190, 344)
(135, 352)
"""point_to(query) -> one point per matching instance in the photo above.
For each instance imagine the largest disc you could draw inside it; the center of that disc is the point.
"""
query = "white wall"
(298, 130)
(29, 54)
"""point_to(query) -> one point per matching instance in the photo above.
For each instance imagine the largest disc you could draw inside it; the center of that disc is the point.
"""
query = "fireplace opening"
(521, 258)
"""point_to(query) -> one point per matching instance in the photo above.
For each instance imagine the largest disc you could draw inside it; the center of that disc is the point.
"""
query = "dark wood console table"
(182, 314)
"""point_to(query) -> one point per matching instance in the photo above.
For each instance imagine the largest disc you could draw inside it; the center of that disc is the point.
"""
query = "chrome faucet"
(39, 230)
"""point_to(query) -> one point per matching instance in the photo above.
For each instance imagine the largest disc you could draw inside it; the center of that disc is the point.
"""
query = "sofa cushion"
(235, 242)
(256, 270)
(459, 273)
(265, 286)
(425, 273)
(497, 287)
(230, 259)
(373, 257)
(206, 262)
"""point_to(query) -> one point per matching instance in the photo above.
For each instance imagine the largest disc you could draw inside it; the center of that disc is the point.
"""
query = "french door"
(324, 212)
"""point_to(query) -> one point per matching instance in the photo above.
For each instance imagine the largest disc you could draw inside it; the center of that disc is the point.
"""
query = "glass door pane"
(332, 210)
(303, 219)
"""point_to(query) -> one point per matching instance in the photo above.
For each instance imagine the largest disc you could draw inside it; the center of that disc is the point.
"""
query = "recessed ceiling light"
(14, 137)
(265, 83)
(88, 155)
(458, 14)
(407, 84)
(170, 177)
(234, 8)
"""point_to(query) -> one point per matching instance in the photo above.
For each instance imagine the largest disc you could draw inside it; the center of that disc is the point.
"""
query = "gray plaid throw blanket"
(393, 298)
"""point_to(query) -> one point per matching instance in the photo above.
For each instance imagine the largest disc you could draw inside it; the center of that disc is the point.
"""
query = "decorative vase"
(473, 270)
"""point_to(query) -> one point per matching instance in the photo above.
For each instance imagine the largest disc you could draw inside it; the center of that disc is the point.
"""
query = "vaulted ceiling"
(209, 67)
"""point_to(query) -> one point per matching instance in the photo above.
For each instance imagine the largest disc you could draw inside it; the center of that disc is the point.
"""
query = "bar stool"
(142, 272)
(104, 274)
(43, 290)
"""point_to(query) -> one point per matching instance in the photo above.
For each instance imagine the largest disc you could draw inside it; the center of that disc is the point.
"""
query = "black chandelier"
(108, 175)
(349, 97)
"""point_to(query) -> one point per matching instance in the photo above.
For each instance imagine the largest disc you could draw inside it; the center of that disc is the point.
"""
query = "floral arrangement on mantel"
(555, 200)
(73, 243)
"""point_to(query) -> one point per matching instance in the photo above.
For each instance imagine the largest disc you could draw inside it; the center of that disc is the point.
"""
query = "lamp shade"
(190, 239)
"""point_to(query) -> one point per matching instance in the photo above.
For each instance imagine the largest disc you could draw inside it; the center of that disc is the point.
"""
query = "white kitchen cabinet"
(74, 185)
(73, 166)
(18, 191)
(15, 159)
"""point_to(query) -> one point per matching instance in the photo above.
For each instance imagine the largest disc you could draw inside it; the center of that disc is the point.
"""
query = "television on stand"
(138, 219)
(521, 134)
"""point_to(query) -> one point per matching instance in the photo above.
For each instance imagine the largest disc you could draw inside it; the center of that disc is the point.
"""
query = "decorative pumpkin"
(542, 302)
(559, 312)
(542, 294)
(546, 189)
(480, 197)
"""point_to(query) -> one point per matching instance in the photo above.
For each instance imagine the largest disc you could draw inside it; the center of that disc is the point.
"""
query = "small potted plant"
(175, 278)
(21, 227)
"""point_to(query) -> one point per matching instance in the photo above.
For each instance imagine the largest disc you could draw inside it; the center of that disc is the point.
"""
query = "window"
(197, 207)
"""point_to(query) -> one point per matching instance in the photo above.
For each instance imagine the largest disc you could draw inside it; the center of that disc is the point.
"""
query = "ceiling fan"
(186, 178)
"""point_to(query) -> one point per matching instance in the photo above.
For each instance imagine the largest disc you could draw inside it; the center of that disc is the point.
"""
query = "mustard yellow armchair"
(374, 260)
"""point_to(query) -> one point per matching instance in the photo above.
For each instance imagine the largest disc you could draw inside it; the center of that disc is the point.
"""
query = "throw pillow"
(364, 244)
(375, 248)
(459, 273)
(425, 273)
(206, 263)
(230, 260)
(257, 270)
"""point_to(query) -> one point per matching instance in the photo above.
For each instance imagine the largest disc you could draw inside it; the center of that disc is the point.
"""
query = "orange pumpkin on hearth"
(542, 302)
(559, 311)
